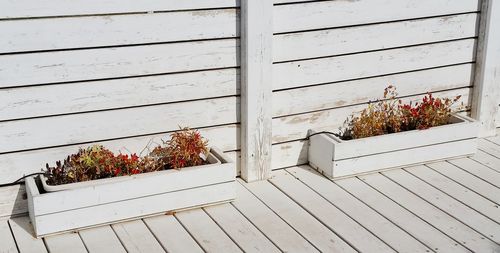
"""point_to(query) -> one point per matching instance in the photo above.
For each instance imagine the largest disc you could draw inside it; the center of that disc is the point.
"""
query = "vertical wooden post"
(486, 92)
(256, 88)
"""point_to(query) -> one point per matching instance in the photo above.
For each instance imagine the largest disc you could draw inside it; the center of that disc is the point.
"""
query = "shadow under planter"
(337, 158)
(81, 205)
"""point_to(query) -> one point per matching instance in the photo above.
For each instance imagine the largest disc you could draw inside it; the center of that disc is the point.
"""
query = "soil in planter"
(390, 115)
(185, 148)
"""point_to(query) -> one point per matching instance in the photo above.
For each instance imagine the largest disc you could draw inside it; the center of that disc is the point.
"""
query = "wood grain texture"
(333, 95)
(12, 199)
(136, 237)
(46, 100)
(98, 31)
(25, 236)
(486, 96)
(327, 14)
(324, 70)
(48, 8)
(171, 235)
(61, 243)
(101, 239)
(90, 64)
(256, 91)
(311, 44)
(7, 245)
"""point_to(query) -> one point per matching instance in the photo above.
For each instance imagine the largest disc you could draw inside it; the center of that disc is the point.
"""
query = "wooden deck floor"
(448, 206)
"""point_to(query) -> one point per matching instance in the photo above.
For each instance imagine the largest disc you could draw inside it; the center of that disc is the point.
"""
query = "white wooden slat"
(101, 239)
(479, 170)
(136, 237)
(456, 191)
(304, 223)
(336, 212)
(47, 100)
(325, 14)
(289, 154)
(90, 64)
(277, 2)
(324, 70)
(486, 90)
(489, 147)
(47, 8)
(295, 127)
(415, 226)
(495, 139)
(256, 90)
(269, 223)
(333, 95)
(468, 180)
(49, 34)
(61, 243)
(171, 235)
(7, 244)
(473, 219)
(12, 199)
(378, 225)
(24, 235)
(14, 165)
(206, 232)
(311, 44)
(241, 231)
(487, 159)
(431, 214)
(80, 128)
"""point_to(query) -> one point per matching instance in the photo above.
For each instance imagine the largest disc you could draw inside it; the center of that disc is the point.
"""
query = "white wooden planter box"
(118, 199)
(337, 158)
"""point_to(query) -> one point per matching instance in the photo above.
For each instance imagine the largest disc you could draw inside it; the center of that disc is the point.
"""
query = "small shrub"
(186, 148)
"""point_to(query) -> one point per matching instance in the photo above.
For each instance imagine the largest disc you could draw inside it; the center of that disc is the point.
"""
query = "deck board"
(450, 206)
(101, 239)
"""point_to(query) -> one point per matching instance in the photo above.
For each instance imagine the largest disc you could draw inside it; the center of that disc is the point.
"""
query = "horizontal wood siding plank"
(330, 42)
(96, 31)
(308, 72)
(90, 64)
(333, 95)
(14, 165)
(47, 8)
(56, 99)
(295, 127)
(327, 14)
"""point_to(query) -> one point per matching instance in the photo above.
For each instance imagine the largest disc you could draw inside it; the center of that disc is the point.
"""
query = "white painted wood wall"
(123, 72)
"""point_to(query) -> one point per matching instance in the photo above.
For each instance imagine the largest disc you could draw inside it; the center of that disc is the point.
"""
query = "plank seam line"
(223, 230)
(416, 215)
(119, 239)
(189, 232)
(153, 234)
(482, 162)
(83, 242)
(381, 214)
(449, 195)
(13, 236)
(117, 139)
(487, 139)
(344, 212)
(277, 214)
(322, 222)
(474, 175)
(453, 216)
(300, 2)
(117, 13)
(255, 226)
(237, 68)
(378, 23)
(378, 76)
(377, 50)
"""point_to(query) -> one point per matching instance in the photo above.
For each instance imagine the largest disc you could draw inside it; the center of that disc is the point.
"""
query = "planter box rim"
(211, 158)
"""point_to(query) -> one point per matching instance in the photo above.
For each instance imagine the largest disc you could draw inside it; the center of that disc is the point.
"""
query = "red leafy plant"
(186, 148)
(390, 115)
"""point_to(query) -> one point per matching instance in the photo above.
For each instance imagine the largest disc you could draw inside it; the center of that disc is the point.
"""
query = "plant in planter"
(389, 134)
(99, 187)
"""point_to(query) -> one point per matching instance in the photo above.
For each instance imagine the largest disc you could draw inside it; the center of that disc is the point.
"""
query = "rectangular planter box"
(81, 205)
(337, 158)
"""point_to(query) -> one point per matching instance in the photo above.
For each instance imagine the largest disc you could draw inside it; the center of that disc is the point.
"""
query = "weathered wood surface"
(49, 8)
(7, 245)
(418, 209)
(486, 96)
(326, 14)
(116, 30)
(256, 90)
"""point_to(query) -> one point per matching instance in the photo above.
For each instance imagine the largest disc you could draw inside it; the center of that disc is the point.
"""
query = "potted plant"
(390, 134)
(95, 186)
